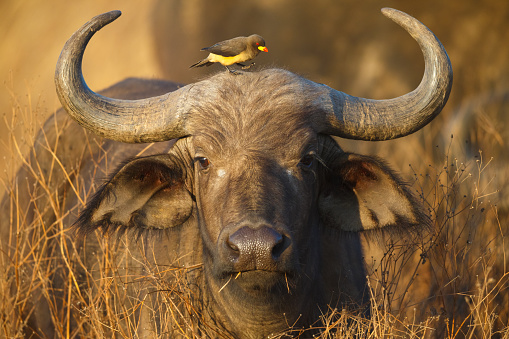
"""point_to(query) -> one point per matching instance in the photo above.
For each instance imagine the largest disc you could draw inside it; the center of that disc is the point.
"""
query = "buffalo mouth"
(260, 282)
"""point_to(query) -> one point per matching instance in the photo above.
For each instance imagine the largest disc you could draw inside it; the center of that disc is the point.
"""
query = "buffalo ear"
(362, 193)
(145, 193)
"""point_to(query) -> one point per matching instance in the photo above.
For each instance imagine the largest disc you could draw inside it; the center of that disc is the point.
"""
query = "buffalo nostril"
(231, 245)
(279, 247)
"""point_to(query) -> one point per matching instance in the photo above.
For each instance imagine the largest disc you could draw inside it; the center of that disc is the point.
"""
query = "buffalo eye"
(203, 162)
(307, 161)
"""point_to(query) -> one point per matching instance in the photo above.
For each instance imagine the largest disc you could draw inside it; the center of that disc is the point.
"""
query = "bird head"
(258, 42)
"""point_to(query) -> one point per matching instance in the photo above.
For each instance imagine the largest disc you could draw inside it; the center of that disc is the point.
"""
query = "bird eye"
(203, 162)
(257, 44)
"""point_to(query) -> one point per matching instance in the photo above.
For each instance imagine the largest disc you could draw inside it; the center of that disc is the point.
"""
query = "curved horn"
(146, 120)
(364, 119)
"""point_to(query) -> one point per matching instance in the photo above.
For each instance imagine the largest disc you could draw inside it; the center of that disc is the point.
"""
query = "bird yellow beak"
(263, 48)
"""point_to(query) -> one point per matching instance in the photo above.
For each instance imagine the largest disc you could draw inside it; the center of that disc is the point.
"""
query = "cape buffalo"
(245, 191)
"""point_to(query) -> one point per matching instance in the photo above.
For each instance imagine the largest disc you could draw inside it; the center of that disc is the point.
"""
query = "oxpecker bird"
(233, 51)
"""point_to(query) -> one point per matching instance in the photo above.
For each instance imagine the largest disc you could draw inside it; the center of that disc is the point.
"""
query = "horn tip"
(106, 18)
(114, 14)
(390, 12)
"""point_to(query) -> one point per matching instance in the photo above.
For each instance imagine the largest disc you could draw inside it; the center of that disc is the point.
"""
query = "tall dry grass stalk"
(450, 283)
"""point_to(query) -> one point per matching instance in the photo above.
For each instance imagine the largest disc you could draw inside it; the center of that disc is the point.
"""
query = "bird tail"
(204, 62)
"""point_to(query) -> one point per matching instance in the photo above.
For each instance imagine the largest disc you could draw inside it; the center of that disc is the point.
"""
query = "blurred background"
(347, 44)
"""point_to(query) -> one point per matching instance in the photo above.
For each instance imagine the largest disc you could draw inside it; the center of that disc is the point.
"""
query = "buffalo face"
(256, 189)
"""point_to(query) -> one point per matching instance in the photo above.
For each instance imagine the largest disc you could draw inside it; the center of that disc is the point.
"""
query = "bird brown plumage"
(233, 51)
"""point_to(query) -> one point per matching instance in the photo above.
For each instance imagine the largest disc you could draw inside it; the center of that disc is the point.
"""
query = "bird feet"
(234, 72)
(246, 67)
(242, 67)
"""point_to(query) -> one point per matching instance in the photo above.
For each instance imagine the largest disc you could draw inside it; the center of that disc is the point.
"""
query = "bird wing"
(228, 48)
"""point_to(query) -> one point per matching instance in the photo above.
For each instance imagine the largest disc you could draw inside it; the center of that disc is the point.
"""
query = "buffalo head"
(256, 171)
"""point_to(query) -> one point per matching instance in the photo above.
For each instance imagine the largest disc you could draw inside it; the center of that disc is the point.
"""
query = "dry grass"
(451, 284)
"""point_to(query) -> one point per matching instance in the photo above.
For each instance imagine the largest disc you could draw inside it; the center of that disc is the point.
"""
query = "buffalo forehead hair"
(255, 107)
